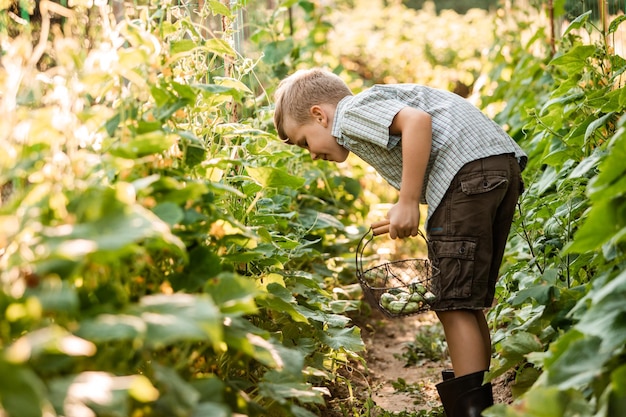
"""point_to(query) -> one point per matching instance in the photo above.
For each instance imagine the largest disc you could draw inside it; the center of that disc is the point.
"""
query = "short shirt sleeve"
(369, 116)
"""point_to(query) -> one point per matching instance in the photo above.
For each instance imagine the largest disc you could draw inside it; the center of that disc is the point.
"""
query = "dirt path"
(386, 341)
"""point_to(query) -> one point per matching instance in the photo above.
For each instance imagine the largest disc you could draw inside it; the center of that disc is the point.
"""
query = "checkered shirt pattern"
(461, 133)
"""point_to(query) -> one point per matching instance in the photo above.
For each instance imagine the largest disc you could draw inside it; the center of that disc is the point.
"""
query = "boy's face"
(315, 136)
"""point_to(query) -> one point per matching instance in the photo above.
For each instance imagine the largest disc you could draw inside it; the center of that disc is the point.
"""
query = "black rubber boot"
(447, 374)
(465, 396)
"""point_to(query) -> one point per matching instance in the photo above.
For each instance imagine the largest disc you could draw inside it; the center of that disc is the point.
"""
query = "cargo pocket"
(455, 259)
(485, 182)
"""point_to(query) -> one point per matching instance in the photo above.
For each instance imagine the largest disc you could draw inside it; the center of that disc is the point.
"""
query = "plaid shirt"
(461, 133)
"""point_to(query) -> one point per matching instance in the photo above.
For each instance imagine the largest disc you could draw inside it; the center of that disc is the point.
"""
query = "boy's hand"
(407, 223)
(404, 220)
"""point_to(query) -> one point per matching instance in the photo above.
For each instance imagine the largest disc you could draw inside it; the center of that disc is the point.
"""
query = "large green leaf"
(183, 48)
(280, 299)
(574, 60)
(274, 177)
(178, 397)
(168, 188)
(277, 386)
(22, 393)
(544, 402)
(149, 143)
(104, 393)
(169, 212)
(55, 295)
(276, 51)
(518, 345)
(179, 317)
(611, 179)
(579, 364)
(587, 164)
(606, 318)
(49, 340)
(112, 327)
(348, 338)
(273, 354)
(616, 397)
(605, 222)
(227, 89)
(316, 220)
(204, 264)
(115, 231)
(599, 122)
(542, 293)
(233, 294)
(547, 180)
(578, 22)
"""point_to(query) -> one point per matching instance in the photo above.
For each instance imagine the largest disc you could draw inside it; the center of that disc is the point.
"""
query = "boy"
(438, 149)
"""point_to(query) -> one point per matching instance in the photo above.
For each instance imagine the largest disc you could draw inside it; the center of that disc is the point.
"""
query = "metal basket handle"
(360, 249)
(366, 239)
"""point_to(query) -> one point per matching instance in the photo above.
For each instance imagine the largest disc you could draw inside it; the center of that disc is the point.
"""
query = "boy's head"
(298, 93)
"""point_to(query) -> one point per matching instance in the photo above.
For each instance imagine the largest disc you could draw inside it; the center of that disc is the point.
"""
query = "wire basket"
(397, 288)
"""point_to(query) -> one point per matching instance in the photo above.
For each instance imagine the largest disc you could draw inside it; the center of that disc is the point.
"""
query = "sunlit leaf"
(233, 83)
(615, 23)
(574, 60)
(144, 144)
(218, 7)
(103, 392)
(578, 22)
(112, 327)
(219, 47)
(605, 222)
(182, 45)
(49, 340)
(178, 317)
(111, 233)
(274, 177)
(280, 299)
(611, 170)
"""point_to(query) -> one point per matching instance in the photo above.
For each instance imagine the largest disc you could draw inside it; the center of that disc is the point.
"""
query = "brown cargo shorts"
(469, 229)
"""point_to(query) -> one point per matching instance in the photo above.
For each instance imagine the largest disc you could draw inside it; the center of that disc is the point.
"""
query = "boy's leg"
(468, 338)
(486, 332)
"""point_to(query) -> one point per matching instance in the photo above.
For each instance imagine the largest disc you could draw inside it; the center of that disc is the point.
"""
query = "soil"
(386, 341)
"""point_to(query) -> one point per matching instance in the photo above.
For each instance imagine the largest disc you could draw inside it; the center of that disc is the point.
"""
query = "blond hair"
(297, 93)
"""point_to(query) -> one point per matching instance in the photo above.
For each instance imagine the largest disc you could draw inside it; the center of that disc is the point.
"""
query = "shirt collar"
(338, 118)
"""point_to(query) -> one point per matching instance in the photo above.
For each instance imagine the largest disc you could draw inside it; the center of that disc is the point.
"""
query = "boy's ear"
(318, 114)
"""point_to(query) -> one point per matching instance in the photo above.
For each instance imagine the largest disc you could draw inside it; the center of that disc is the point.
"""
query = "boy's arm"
(415, 128)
